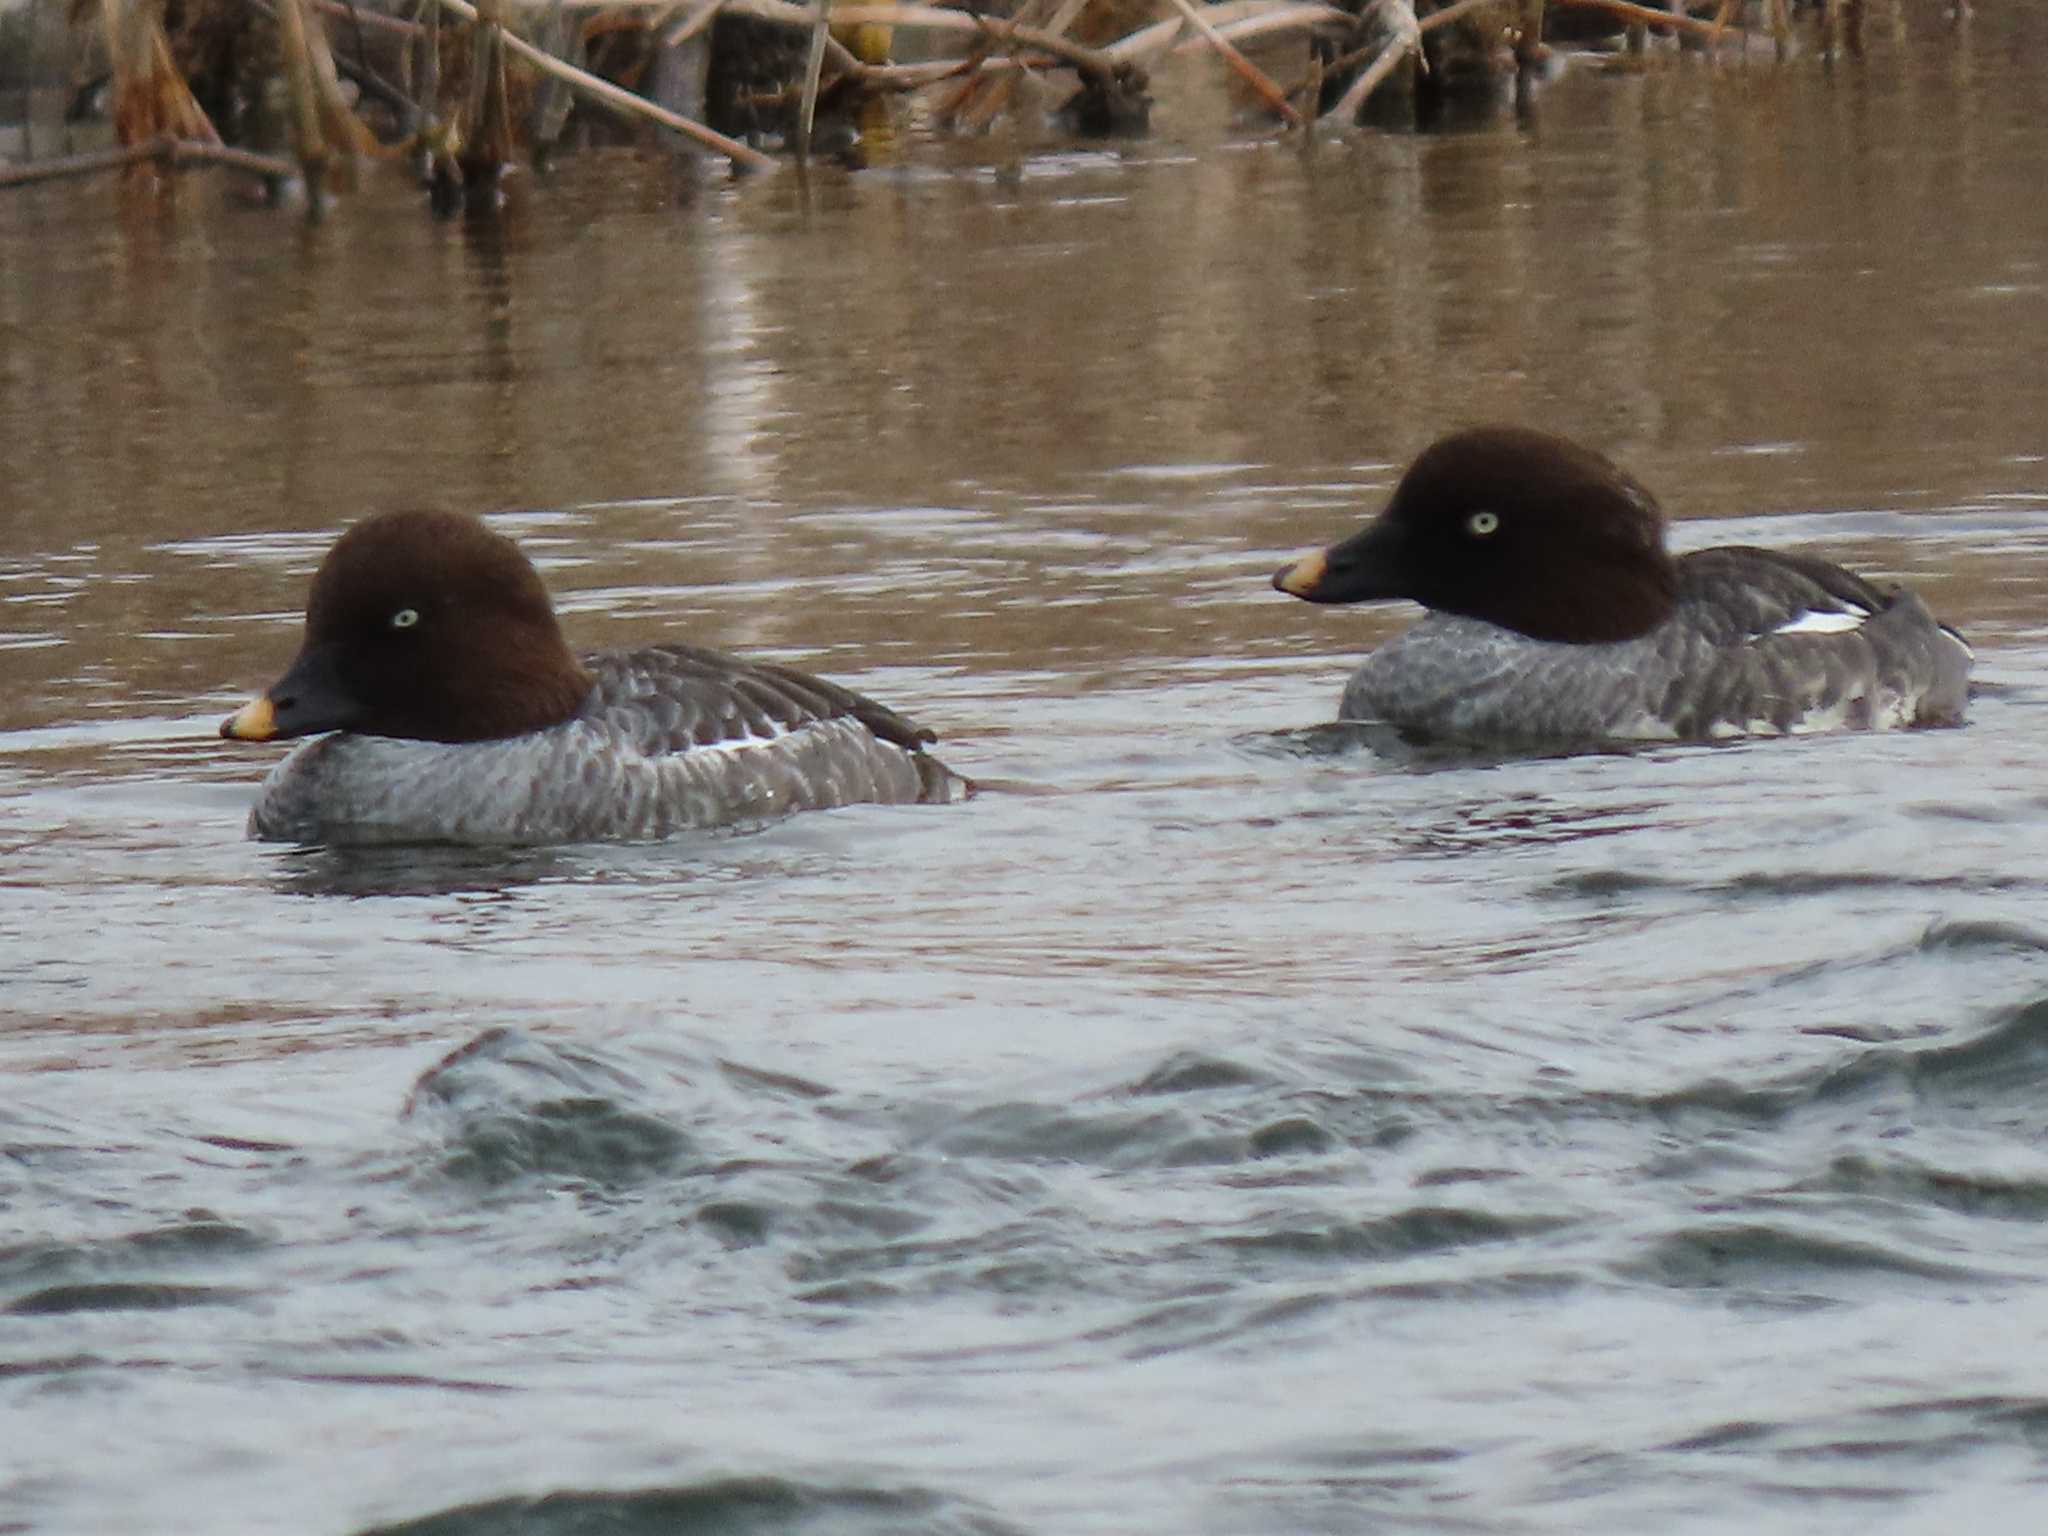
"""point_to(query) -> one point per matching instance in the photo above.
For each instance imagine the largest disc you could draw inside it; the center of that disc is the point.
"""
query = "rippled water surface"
(1217, 1131)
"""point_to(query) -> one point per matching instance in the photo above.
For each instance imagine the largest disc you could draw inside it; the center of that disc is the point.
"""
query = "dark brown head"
(1515, 527)
(427, 626)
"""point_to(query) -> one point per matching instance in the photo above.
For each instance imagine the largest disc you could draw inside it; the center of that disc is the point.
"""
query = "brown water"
(1240, 1139)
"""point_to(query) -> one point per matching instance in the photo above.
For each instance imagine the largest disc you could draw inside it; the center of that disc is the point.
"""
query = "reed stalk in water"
(309, 144)
(1247, 71)
(327, 136)
(154, 107)
(814, 67)
(485, 137)
(1529, 36)
(701, 16)
(618, 96)
(1406, 44)
(151, 98)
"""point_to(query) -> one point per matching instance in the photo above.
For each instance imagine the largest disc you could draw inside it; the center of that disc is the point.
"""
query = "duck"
(1558, 619)
(444, 706)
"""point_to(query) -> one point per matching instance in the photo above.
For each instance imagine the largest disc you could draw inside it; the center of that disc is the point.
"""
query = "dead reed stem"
(1406, 43)
(308, 143)
(1232, 20)
(326, 133)
(1451, 13)
(1675, 21)
(814, 68)
(486, 147)
(1781, 26)
(375, 21)
(1246, 71)
(1090, 61)
(1529, 36)
(619, 96)
(150, 96)
(1244, 20)
(166, 149)
(701, 17)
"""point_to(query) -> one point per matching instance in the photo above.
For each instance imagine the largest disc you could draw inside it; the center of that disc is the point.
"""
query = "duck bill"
(1366, 567)
(308, 699)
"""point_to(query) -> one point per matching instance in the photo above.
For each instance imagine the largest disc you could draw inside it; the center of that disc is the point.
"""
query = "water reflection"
(356, 872)
(484, 242)
(488, 872)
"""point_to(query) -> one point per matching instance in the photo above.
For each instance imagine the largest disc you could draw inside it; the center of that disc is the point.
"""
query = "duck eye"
(405, 618)
(1480, 524)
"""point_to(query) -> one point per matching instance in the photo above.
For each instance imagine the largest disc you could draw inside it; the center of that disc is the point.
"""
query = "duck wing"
(675, 697)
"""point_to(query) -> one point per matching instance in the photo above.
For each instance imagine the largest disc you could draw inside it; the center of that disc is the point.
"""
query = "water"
(1240, 1134)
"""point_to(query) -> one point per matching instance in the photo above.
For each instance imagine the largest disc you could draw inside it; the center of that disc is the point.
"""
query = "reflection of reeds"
(1096, 55)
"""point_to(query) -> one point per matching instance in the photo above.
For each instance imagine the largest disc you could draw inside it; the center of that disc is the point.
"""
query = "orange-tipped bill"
(308, 699)
(1303, 577)
(1371, 565)
(254, 721)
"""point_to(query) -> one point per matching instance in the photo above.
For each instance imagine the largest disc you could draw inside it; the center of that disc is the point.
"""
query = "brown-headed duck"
(1557, 618)
(448, 709)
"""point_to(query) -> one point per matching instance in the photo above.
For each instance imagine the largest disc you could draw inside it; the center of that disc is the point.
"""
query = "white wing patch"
(744, 743)
(1815, 622)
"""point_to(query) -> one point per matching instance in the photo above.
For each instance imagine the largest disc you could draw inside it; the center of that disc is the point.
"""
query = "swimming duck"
(448, 709)
(1558, 618)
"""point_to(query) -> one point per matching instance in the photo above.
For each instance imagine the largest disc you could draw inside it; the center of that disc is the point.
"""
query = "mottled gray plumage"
(671, 737)
(1719, 667)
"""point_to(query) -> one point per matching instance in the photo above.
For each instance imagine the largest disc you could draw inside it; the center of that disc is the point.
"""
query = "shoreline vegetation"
(305, 94)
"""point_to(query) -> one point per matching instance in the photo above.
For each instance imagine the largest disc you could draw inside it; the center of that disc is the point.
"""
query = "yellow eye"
(405, 618)
(1480, 524)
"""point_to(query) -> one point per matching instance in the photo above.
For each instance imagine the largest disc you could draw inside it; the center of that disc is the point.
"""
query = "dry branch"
(151, 98)
(1676, 21)
(1230, 20)
(1529, 35)
(485, 131)
(1239, 20)
(1451, 13)
(814, 69)
(1246, 71)
(619, 96)
(375, 21)
(705, 13)
(166, 149)
(1090, 61)
(1406, 43)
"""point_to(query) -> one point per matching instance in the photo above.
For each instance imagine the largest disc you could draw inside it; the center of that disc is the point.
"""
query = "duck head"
(1514, 527)
(425, 626)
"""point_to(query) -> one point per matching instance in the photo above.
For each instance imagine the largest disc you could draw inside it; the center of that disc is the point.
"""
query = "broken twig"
(1246, 71)
(166, 149)
(1406, 43)
(618, 96)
